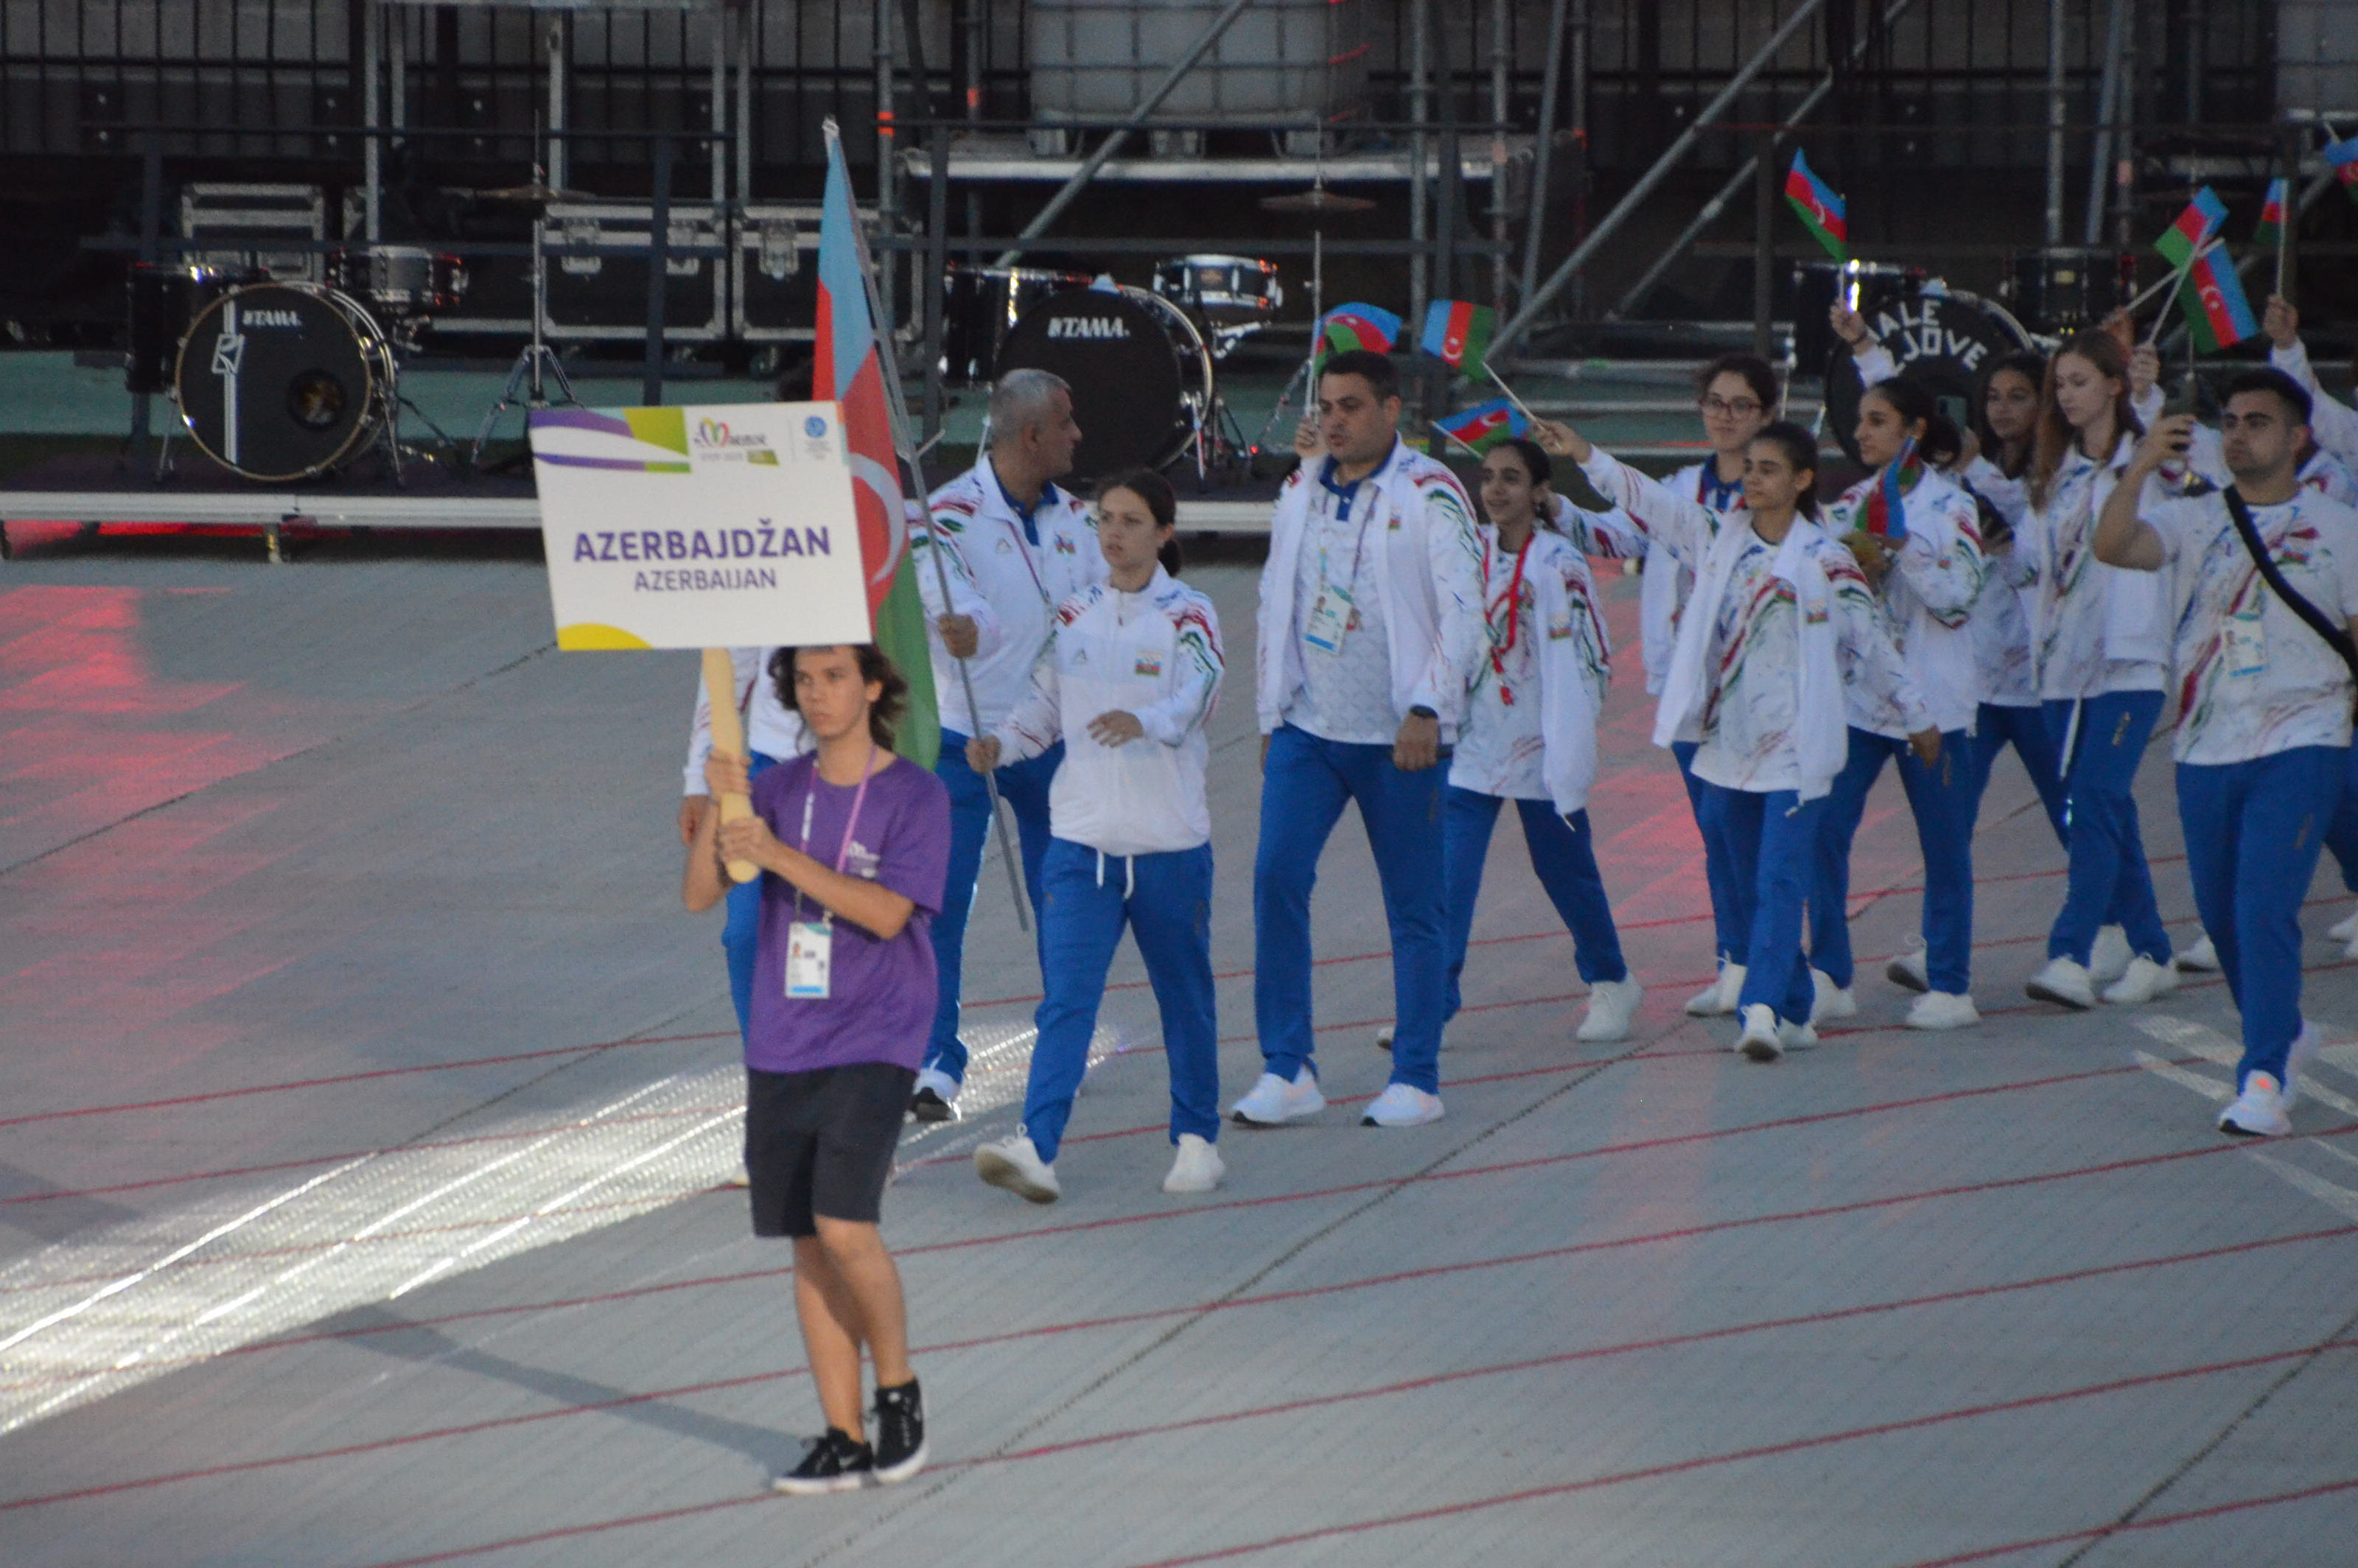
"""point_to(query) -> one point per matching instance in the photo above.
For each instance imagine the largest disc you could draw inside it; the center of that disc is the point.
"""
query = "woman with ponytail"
(1782, 638)
(1916, 535)
(1128, 684)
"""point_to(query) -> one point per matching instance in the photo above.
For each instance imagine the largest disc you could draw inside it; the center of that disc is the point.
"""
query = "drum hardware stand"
(532, 360)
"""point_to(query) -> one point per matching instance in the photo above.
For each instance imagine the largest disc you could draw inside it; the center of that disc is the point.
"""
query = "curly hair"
(875, 669)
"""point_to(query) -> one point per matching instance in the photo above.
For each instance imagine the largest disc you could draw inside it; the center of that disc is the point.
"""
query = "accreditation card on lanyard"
(811, 943)
(1335, 611)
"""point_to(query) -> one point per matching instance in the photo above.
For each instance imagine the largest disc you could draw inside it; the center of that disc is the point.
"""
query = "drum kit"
(1141, 361)
(280, 381)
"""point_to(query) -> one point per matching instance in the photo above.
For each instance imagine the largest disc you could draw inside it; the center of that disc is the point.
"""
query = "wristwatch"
(1421, 711)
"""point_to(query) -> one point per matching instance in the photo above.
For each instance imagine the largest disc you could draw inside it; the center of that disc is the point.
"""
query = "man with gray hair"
(1013, 546)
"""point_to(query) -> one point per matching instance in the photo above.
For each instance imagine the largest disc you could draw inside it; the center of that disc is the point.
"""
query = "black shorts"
(821, 1143)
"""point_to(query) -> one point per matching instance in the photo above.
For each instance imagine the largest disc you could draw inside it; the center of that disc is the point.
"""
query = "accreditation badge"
(1332, 615)
(810, 946)
(2243, 643)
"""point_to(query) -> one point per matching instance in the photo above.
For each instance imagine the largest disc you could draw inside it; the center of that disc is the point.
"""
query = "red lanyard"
(1499, 649)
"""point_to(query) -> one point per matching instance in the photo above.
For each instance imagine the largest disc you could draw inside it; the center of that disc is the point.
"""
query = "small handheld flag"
(1457, 333)
(2218, 313)
(2194, 227)
(1820, 208)
(1886, 515)
(2343, 156)
(1356, 326)
(2272, 216)
(1484, 426)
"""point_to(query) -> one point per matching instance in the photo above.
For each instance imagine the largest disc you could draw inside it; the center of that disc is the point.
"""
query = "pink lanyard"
(842, 850)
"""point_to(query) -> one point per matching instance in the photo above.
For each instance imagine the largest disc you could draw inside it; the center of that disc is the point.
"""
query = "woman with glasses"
(1737, 397)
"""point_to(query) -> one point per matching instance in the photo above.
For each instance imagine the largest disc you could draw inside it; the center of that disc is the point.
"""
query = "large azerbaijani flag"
(2271, 229)
(1820, 208)
(849, 369)
(2343, 156)
(2192, 230)
(1457, 332)
(1485, 425)
(2218, 313)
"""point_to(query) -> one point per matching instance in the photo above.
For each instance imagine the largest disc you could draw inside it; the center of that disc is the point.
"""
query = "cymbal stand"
(532, 359)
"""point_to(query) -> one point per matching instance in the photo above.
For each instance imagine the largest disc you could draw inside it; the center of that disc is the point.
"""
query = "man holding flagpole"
(1011, 547)
(1370, 628)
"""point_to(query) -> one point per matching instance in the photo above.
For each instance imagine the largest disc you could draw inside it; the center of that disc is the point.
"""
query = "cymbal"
(1317, 200)
(536, 194)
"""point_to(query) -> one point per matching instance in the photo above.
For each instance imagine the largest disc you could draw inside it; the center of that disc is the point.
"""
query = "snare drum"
(1226, 291)
(2063, 290)
(1866, 287)
(403, 280)
(981, 305)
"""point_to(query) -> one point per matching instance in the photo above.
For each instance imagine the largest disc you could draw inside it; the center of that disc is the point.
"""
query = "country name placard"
(698, 526)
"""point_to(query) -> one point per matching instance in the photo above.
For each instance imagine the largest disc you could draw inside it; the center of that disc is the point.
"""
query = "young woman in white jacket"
(2102, 641)
(1781, 640)
(1530, 733)
(1127, 684)
(1917, 536)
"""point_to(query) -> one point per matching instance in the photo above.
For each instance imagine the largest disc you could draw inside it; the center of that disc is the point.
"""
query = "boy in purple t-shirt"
(853, 843)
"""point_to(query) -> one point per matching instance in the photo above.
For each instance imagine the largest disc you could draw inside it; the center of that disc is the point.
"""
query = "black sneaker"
(836, 1463)
(927, 1106)
(899, 1433)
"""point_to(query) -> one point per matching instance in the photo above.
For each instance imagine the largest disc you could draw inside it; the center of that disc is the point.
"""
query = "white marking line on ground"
(324, 1246)
(2201, 1040)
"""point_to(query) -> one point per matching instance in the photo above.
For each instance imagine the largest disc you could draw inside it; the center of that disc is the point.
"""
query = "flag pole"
(896, 409)
(1453, 436)
(1520, 407)
(2175, 280)
(2150, 289)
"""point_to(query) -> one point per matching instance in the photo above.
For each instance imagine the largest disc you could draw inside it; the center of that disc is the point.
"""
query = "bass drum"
(1942, 338)
(981, 305)
(1140, 375)
(283, 380)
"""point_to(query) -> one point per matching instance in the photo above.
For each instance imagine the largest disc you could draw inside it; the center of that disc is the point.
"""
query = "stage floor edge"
(282, 508)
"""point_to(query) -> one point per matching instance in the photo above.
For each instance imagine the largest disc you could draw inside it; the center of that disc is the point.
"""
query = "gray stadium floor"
(366, 1097)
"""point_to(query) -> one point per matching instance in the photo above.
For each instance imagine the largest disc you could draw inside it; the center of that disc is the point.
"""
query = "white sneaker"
(2346, 929)
(1384, 1037)
(1796, 1036)
(1198, 1168)
(2109, 956)
(1401, 1105)
(1717, 999)
(1611, 1005)
(2202, 956)
(2259, 1110)
(2144, 981)
(1759, 1038)
(1908, 971)
(1013, 1163)
(1272, 1101)
(2063, 981)
(1828, 1000)
(743, 1178)
(1943, 1010)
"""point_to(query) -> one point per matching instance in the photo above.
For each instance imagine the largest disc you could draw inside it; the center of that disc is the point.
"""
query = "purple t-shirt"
(880, 1001)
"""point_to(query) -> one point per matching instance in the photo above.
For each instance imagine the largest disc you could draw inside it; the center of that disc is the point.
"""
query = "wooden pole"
(728, 740)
